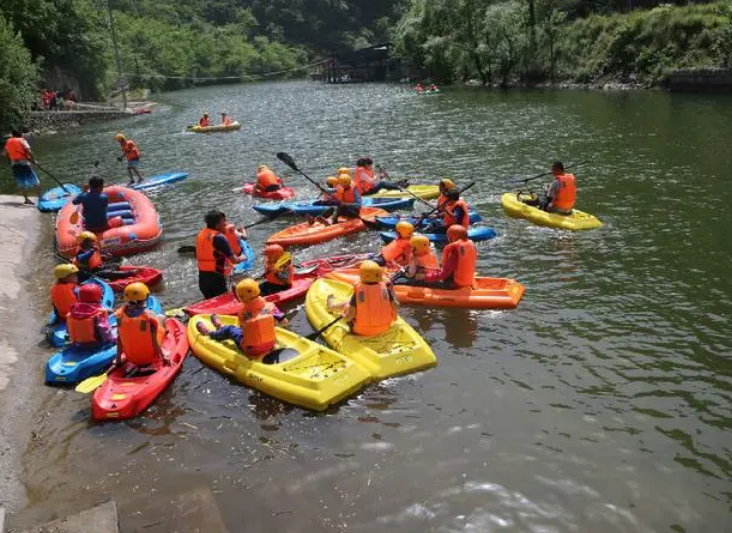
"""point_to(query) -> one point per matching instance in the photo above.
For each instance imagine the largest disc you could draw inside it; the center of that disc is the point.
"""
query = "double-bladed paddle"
(526, 180)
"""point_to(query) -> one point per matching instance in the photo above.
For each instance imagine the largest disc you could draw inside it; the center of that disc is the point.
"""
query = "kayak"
(390, 222)
(234, 126)
(139, 230)
(57, 334)
(145, 274)
(123, 396)
(578, 220)
(248, 264)
(426, 192)
(227, 304)
(401, 350)
(284, 193)
(310, 207)
(474, 234)
(75, 363)
(485, 293)
(54, 199)
(297, 371)
(306, 234)
(159, 181)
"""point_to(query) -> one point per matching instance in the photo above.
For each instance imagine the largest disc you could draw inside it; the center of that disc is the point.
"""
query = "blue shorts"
(25, 177)
(132, 163)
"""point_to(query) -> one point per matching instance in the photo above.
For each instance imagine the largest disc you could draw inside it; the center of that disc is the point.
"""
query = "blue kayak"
(159, 180)
(474, 234)
(54, 199)
(247, 265)
(76, 363)
(310, 207)
(391, 222)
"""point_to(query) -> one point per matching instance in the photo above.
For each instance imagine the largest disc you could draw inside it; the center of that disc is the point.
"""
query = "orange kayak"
(305, 234)
(486, 293)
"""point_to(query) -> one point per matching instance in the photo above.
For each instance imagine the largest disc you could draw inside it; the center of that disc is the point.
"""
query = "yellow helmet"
(331, 181)
(86, 236)
(344, 180)
(64, 271)
(420, 243)
(136, 292)
(120, 137)
(404, 229)
(247, 290)
(447, 184)
(344, 170)
(370, 272)
(260, 168)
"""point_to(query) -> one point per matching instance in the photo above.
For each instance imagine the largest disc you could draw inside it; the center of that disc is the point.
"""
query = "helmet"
(344, 179)
(205, 114)
(64, 271)
(136, 292)
(86, 236)
(332, 181)
(90, 293)
(447, 184)
(420, 243)
(273, 251)
(247, 290)
(404, 229)
(344, 170)
(456, 232)
(370, 272)
(260, 168)
(120, 137)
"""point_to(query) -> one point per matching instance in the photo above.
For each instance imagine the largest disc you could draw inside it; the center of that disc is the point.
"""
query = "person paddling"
(90, 260)
(131, 152)
(226, 120)
(88, 320)
(279, 272)
(349, 199)
(458, 262)
(19, 152)
(398, 251)
(422, 262)
(267, 180)
(204, 122)
(562, 193)
(214, 255)
(64, 291)
(368, 182)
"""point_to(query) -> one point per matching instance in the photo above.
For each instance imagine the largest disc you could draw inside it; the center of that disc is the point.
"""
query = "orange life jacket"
(258, 327)
(95, 261)
(441, 200)
(467, 257)
(270, 274)
(567, 192)
(131, 151)
(83, 330)
(267, 178)
(206, 254)
(136, 336)
(364, 179)
(398, 251)
(63, 296)
(426, 261)
(374, 311)
(233, 239)
(449, 219)
(16, 149)
(347, 196)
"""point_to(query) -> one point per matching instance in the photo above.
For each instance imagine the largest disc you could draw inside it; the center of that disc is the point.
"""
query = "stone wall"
(712, 80)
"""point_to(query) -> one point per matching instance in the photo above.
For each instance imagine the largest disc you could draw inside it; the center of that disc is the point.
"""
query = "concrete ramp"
(99, 519)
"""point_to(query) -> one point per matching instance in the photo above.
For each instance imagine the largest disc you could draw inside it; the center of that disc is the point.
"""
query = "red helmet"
(456, 232)
(274, 251)
(90, 293)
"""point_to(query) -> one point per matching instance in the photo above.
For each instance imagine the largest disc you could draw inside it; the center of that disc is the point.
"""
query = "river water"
(602, 403)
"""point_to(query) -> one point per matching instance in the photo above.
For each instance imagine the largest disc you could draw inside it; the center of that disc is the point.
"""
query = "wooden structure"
(367, 64)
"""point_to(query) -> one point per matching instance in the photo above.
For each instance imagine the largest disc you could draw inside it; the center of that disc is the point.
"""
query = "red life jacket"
(131, 151)
(364, 179)
(95, 261)
(233, 239)
(17, 151)
(347, 196)
(270, 274)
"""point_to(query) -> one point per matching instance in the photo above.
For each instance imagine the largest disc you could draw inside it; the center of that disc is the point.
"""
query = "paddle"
(418, 223)
(192, 249)
(93, 383)
(526, 180)
(287, 160)
(53, 177)
(318, 333)
(405, 189)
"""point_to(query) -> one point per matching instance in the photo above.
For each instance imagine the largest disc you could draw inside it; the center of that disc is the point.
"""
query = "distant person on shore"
(18, 151)
(131, 152)
(214, 255)
(203, 121)
(368, 182)
(226, 120)
(267, 180)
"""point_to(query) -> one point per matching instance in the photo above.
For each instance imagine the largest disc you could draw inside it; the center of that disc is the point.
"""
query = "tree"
(18, 77)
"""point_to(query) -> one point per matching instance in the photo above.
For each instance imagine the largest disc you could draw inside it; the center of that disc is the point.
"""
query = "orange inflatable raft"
(136, 226)
(305, 234)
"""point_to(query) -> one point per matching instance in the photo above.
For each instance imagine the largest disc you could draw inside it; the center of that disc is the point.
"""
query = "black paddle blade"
(287, 160)
(187, 250)
(282, 355)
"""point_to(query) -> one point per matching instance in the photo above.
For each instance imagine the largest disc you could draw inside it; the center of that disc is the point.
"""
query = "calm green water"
(601, 404)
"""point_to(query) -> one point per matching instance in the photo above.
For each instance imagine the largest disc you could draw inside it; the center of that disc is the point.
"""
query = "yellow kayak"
(214, 129)
(426, 192)
(578, 220)
(400, 350)
(307, 374)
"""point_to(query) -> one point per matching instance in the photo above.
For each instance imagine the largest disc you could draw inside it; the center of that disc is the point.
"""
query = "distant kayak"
(392, 221)
(312, 208)
(578, 220)
(215, 129)
(159, 180)
(54, 199)
(474, 234)
(306, 234)
(426, 192)
(284, 193)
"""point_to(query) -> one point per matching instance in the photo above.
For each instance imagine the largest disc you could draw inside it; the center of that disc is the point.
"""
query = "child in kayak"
(368, 182)
(256, 335)
(349, 199)
(398, 251)
(458, 262)
(421, 263)
(140, 332)
(90, 260)
(235, 236)
(88, 320)
(278, 270)
(267, 181)
(64, 291)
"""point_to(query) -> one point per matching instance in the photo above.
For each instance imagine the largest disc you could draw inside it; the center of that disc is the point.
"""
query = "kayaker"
(368, 182)
(64, 291)
(225, 120)
(131, 152)
(422, 262)
(398, 251)
(419, 88)
(267, 181)
(90, 260)
(19, 152)
(214, 255)
(278, 270)
(455, 210)
(331, 182)
(94, 203)
(255, 335)
(204, 122)
(434, 88)
(88, 320)
(445, 186)
(140, 332)
(458, 261)
(349, 199)
(373, 306)
(562, 193)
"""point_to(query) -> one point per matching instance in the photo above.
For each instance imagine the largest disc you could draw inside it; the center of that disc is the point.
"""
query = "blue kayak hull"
(247, 265)
(391, 222)
(310, 208)
(474, 234)
(54, 199)
(74, 363)
(159, 180)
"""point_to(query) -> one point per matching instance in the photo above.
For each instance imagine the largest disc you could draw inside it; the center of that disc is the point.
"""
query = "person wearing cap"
(131, 152)
(19, 152)
(88, 320)
(367, 182)
(140, 332)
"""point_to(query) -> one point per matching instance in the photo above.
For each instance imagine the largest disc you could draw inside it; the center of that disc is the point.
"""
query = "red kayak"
(285, 193)
(145, 274)
(122, 397)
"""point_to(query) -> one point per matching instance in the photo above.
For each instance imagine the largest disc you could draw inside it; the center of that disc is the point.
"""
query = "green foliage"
(18, 77)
